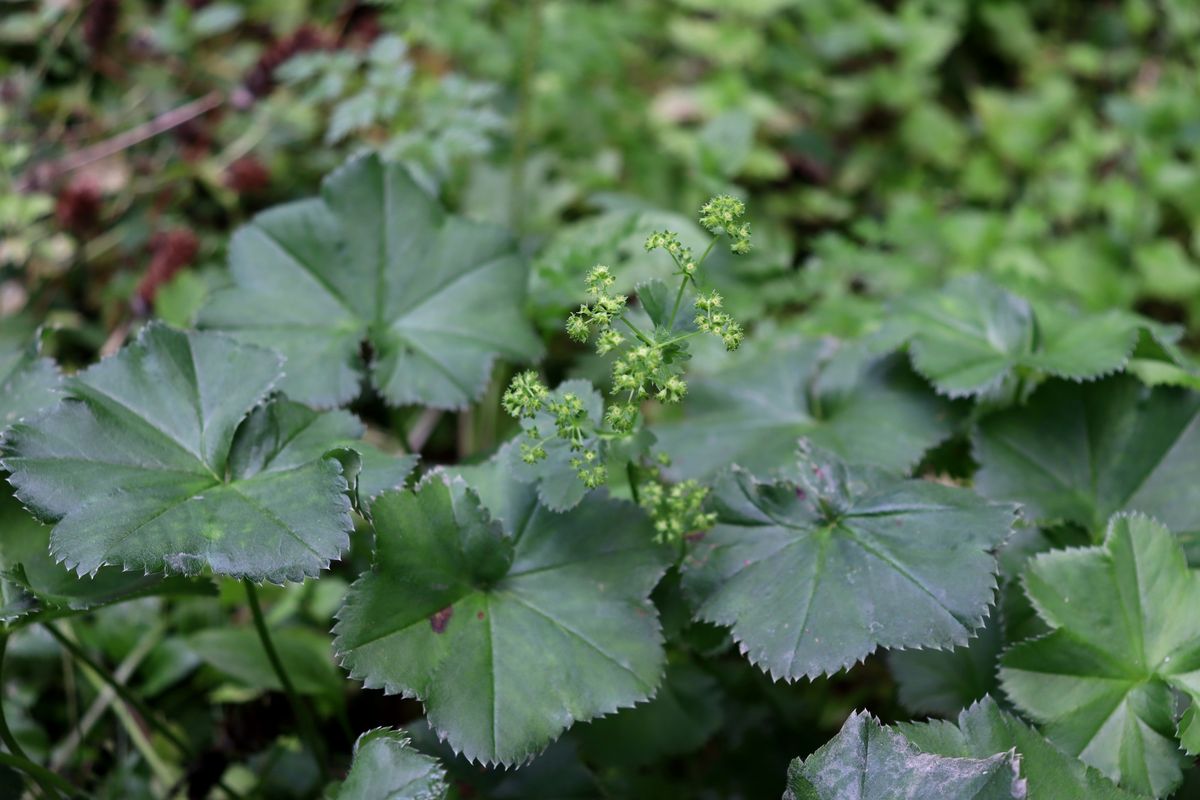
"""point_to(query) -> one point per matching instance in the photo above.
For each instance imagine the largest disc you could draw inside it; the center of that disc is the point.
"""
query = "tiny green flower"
(608, 341)
(525, 395)
(599, 279)
(672, 391)
(720, 215)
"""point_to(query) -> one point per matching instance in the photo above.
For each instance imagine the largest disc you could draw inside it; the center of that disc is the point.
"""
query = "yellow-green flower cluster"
(601, 313)
(676, 510)
(525, 395)
(685, 260)
(722, 214)
(711, 319)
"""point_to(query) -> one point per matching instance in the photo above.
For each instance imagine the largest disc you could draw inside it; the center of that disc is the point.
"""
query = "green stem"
(678, 300)
(308, 728)
(10, 741)
(40, 774)
(637, 332)
(630, 475)
(533, 36)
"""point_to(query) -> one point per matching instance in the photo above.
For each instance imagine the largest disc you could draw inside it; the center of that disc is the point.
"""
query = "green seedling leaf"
(386, 767)
(28, 382)
(509, 621)
(1124, 637)
(143, 466)
(814, 574)
(1079, 453)
(376, 260)
(870, 762)
(753, 414)
(984, 729)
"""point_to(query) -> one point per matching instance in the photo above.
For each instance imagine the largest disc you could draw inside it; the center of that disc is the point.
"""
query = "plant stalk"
(37, 772)
(304, 719)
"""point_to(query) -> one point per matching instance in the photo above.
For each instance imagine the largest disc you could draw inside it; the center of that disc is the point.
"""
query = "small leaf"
(814, 575)
(509, 621)
(386, 767)
(870, 762)
(984, 729)
(753, 413)
(974, 338)
(143, 466)
(1124, 635)
(1079, 453)
(376, 260)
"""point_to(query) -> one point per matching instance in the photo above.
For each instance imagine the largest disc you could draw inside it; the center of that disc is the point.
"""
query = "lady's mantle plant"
(517, 597)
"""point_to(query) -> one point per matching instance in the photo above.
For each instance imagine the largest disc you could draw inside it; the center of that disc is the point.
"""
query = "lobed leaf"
(753, 413)
(510, 622)
(1079, 453)
(974, 338)
(814, 574)
(985, 729)
(1123, 638)
(143, 465)
(374, 259)
(866, 761)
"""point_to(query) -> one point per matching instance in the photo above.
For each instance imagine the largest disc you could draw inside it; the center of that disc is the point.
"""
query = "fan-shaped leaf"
(509, 625)
(375, 259)
(385, 767)
(1080, 453)
(869, 762)
(140, 466)
(1124, 634)
(813, 575)
(753, 413)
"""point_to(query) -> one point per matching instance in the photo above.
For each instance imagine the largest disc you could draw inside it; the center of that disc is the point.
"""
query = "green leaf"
(984, 729)
(1124, 635)
(870, 762)
(143, 465)
(239, 654)
(509, 621)
(1079, 453)
(386, 767)
(283, 435)
(943, 681)
(375, 260)
(28, 383)
(974, 338)
(813, 575)
(753, 413)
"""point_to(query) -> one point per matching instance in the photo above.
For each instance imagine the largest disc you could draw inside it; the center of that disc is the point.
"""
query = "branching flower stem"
(308, 728)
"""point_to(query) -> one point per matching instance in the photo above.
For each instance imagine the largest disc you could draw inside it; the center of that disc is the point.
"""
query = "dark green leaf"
(509, 621)
(140, 467)
(984, 729)
(753, 413)
(869, 762)
(375, 259)
(814, 575)
(1079, 453)
(238, 653)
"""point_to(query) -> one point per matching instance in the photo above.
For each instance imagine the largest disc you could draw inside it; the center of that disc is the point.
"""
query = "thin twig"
(44, 173)
(422, 429)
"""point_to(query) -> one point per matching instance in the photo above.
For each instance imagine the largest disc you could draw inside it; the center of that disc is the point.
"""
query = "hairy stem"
(308, 728)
